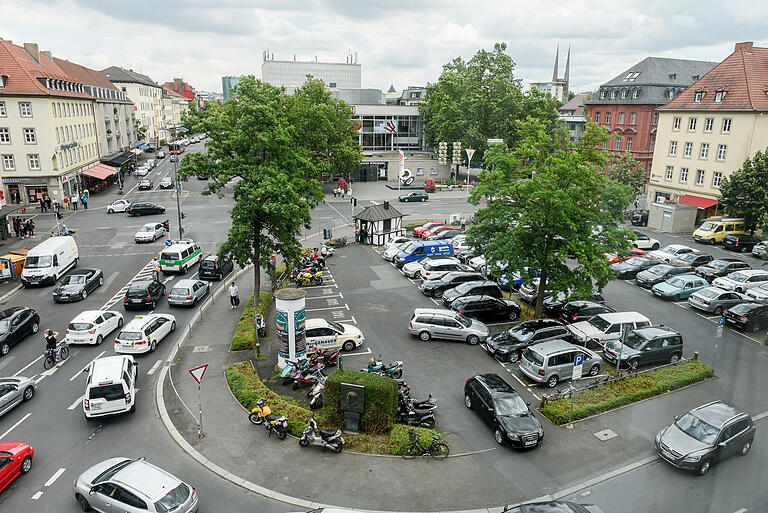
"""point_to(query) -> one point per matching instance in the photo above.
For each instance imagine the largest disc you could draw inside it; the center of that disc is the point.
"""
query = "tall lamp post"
(470, 153)
(176, 172)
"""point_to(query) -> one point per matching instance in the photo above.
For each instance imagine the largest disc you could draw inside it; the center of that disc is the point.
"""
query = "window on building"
(617, 144)
(672, 148)
(655, 118)
(58, 109)
(635, 93)
(624, 94)
(621, 118)
(708, 124)
(670, 94)
(721, 152)
(632, 118)
(653, 144)
(69, 110)
(607, 118)
(719, 96)
(3, 112)
(691, 124)
(704, 153)
(629, 144)
(613, 95)
(29, 136)
(675, 123)
(34, 161)
(8, 163)
(726, 125)
(688, 151)
(5, 136)
(605, 145)
(683, 174)
(668, 176)
(58, 136)
(697, 97)
(700, 177)
(26, 109)
(597, 117)
(717, 177)
(602, 94)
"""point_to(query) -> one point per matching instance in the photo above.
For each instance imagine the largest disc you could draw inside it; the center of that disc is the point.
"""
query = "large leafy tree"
(550, 209)
(479, 99)
(264, 159)
(625, 169)
(745, 192)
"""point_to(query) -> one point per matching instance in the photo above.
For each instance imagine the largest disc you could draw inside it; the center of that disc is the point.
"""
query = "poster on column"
(281, 322)
(300, 332)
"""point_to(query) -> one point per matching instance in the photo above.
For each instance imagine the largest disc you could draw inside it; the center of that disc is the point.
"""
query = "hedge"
(398, 437)
(380, 400)
(248, 389)
(627, 391)
(244, 333)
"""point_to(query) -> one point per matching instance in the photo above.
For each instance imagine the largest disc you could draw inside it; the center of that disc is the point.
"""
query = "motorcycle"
(404, 398)
(413, 417)
(262, 415)
(166, 226)
(307, 377)
(330, 438)
(312, 258)
(261, 326)
(391, 370)
(288, 370)
(326, 251)
(329, 357)
(309, 278)
(315, 393)
(374, 365)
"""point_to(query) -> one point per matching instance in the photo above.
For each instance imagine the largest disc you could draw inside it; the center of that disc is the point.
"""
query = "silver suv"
(552, 362)
(429, 323)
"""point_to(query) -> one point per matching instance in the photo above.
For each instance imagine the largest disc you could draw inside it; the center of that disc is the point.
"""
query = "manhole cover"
(201, 349)
(605, 435)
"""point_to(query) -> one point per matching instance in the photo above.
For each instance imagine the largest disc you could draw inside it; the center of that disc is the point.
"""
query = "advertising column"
(291, 325)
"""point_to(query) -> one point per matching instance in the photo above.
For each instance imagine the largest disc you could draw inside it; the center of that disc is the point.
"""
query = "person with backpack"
(234, 296)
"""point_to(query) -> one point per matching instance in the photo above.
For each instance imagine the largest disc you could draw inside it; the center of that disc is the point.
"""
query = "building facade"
(228, 86)
(558, 87)
(172, 109)
(146, 94)
(627, 104)
(293, 74)
(180, 87)
(710, 129)
(574, 114)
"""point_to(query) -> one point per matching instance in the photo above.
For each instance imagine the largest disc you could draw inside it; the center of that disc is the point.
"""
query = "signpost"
(720, 324)
(168, 242)
(197, 375)
(578, 365)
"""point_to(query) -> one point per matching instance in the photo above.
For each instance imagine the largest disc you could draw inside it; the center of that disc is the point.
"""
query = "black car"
(694, 259)
(576, 311)
(747, 316)
(640, 219)
(628, 269)
(446, 234)
(645, 346)
(471, 288)
(16, 323)
(143, 294)
(560, 506)
(721, 267)
(741, 243)
(77, 284)
(508, 345)
(705, 435)
(214, 268)
(487, 308)
(145, 185)
(660, 273)
(435, 288)
(144, 208)
(414, 196)
(554, 304)
(501, 406)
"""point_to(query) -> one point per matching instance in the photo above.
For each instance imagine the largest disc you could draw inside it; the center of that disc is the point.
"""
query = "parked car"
(640, 219)
(706, 435)
(759, 294)
(77, 284)
(747, 316)
(414, 196)
(93, 326)
(642, 241)
(160, 155)
(760, 250)
(715, 300)
(214, 268)
(418, 250)
(396, 240)
(144, 332)
(597, 330)
(660, 273)
(13, 392)
(471, 288)
(145, 208)
(487, 308)
(424, 227)
(645, 346)
(509, 345)
(667, 253)
(145, 185)
(741, 243)
(559, 506)
(446, 234)
(529, 290)
(187, 292)
(435, 288)
(721, 267)
(679, 287)
(435, 231)
(741, 281)
(552, 362)
(633, 252)
(413, 269)
(149, 232)
(516, 279)
(391, 252)
(554, 304)
(325, 335)
(477, 263)
(166, 183)
(143, 294)
(121, 205)
(428, 323)
(15, 460)
(576, 311)
(694, 259)
(714, 229)
(16, 323)
(500, 406)
(139, 482)
(435, 269)
(628, 269)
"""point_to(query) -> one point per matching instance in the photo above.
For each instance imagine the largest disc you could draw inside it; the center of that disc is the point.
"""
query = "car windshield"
(73, 279)
(738, 277)
(669, 249)
(697, 428)
(599, 323)
(677, 282)
(148, 228)
(707, 227)
(689, 257)
(465, 321)
(465, 287)
(636, 261)
(208, 264)
(79, 326)
(718, 264)
(522, 331)
(709, 293)
(37, 262)
(511, 404)
(634, 341)
(173, 499)
(336, 326)
(410, 247)
(659, 270)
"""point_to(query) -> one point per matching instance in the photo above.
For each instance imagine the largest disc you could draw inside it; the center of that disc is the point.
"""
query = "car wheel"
(712, 242)
(552, 381)
(468, 401)
(26, 465)
(595, 370)
(120, 322)
(29, 392)
(718, 310)
(473, 340)
(676, 298)
(184, 270)
(744, 249)
(674, 358)
(424, 336)
(755, 327)
(738, 289)
(704, 467)
(83, 502)
(633, 364)
(173, 326)
(498, 436)
(35, 327)
(152, 346)
(152, 304)
(83, 294)
(513, 315)
(745, 448)
(348, 346)
(655, 246)
(101, 281)
(99, 340)
(4, 349)
(436, 294)
(423, 199)
(110, 211)
(513, 357)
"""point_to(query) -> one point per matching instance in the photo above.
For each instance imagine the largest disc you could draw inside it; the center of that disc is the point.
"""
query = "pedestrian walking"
(234, 296)
(23, 230)
(74, 201)
(463, 222)
(16, 225)
(357, 235)
(31, 227)
(48, 202)
(156, 269)
(43, 205)
(637, 203)
(85, 202)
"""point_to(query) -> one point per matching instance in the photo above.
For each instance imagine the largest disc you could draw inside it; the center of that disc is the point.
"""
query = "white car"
(151, 163)
(413, 269)
(759, 294)
(120, 205)
(740, 281)
(645, 242)
(144, 332)
(110, 387)
(150, 232)
(396, 241)
(93, 326)
(142, 171)
(667, 253)
(390, 253)
(478, 263)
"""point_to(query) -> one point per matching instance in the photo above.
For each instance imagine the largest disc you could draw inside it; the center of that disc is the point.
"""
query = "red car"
(424, 227)
(435, 230)
(15, 459)
(633, 252)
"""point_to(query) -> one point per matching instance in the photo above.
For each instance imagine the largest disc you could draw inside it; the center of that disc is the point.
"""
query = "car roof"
(10, 311)
(614, 317)
(678, 246)
(554, 346)
(146, 478)
(474, 297)
(717, 413)
(689, 277)
(81, 270)
(105, 369)
(650, 332)
(137, 284)
(186, 282)
(139, 321)
(495, 383)
(539, 324)
(583, 303)
(438, 311)
(316, 323)
(730, 259)
(89, 315)
(751, 272)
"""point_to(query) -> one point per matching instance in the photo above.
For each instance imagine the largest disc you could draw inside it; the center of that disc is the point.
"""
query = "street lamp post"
(470, 153)
(178, 183)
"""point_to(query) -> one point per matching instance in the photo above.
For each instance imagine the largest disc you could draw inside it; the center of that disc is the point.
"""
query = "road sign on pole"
(168, 242)
(719, 329)
(578, 365)
(197, 374)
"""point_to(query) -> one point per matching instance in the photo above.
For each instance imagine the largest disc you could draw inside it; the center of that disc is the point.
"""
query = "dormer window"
(635, 93)
(613, 95)
(697, 97)
(3, 78)
(624, 94)
(670, 94)
(602, 94)
(719, 96)
(673, 76)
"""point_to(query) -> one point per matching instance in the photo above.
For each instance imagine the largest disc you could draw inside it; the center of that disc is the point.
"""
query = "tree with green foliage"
(548, 206)
(141, 132)
(479, 99)
(745, 192)
(625, 169)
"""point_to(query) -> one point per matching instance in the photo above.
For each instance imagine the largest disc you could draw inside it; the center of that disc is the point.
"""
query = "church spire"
(567, 69)
(557, 54)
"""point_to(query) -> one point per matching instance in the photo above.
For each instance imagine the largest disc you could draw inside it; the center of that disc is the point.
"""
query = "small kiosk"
(12, 264)
(376, 224)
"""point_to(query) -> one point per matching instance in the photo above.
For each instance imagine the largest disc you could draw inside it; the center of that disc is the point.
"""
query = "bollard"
(695, 355)
(543, 401)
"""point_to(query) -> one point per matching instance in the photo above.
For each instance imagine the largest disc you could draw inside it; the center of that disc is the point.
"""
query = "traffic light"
(442, 152)
(456, 152)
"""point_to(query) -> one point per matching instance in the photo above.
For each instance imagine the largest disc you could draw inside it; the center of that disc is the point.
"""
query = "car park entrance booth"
(670, 217)
(378, 223)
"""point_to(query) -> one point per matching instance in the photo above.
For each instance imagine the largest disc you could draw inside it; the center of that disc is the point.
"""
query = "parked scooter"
(315, 393)
(330, 438)
(404, 397)
(262, 414)
(307, 377)
(288, 370)
(326, 251)
(412, 417)
(392, 369)
(329, 357)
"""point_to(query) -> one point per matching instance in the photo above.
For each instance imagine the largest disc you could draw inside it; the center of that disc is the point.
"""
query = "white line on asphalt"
(332, 207)
(169, 278)
(55, 476)
(36, 496)
(77, 403)
(25, 417)
(323, 297)
(47, 373)
(80, 372)
(346, 320)
(28, 365)
(760, 416)
(604, 477)
(155, 367)
(367, 351)
(742, 510)
(342, 307)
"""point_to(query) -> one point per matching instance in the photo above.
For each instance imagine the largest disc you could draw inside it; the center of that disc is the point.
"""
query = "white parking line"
(28, 365)
(80, 372)
(323, 297)
(341, 307)
(36, 496)
(77, 403)
(55, 476)
(25, 417)
(742, 510)
(352, 320)
(155, 367)
(367, 351)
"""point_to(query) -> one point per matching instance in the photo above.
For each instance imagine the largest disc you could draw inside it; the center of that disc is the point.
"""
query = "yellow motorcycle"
(262, 415)
(309, 278)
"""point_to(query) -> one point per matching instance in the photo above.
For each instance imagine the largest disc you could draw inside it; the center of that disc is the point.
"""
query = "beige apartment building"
(709, 130)
(146, 95)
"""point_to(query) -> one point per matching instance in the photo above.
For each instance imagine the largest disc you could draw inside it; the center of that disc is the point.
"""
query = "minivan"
(111, 386)
(428, 323)
(419, 249)
(49, 260)
(715, 229)
(552, 362)
(596, 331)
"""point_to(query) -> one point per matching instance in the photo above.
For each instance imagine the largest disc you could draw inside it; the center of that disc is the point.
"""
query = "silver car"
(429, 323)
(552, 362)
(187, 292)
(133, 486)
(413, 269)
(390, 253)
(14, 391)
(759, 294)
(715, 299)
(529, 290)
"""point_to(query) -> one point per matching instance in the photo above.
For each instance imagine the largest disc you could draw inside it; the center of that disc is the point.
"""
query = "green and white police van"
(180, 256)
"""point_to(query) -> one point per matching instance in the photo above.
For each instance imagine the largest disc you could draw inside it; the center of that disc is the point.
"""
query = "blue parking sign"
(579, 360)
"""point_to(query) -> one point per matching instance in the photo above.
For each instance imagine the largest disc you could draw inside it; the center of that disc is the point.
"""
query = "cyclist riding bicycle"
(50, 345)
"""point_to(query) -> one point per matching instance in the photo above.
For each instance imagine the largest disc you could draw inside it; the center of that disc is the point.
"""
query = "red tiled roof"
(23, 72)
(697, 201)
(743, 76)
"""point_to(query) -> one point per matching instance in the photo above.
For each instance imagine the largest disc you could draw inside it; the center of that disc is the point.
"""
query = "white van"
(111, 386)
(596, 331)
(180, 256)
(49, 260)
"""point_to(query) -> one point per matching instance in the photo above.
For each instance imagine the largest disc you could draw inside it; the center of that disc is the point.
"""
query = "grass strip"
(244, 337)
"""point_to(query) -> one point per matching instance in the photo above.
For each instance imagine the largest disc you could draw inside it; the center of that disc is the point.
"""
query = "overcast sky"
(398, 42)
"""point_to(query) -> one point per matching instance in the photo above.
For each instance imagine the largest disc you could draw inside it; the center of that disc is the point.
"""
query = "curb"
(12, 292)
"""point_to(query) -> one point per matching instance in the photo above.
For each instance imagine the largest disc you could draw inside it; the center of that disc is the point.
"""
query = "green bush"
(626, 391)
(244, 337)
(248, 389)
(398, 437)
(380, 400)
(410, 226)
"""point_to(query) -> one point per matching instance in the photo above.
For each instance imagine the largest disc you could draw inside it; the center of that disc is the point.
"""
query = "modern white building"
(293, 74)
(146, 94)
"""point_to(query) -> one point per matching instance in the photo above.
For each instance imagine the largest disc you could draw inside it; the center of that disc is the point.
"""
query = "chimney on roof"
(33, 50)
(386, 205)
(49, 54)
(746, 46)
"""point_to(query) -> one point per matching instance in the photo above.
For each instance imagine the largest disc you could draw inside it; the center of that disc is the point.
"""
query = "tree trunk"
(540, 295)
(256, 283)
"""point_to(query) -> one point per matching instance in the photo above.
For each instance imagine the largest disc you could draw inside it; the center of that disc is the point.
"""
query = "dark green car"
(414, 196)
(645, 346)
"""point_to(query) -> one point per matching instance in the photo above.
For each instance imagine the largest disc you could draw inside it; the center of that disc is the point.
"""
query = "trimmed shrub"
(244, 337)
(632, 389)
(380, 400)
(398, 437)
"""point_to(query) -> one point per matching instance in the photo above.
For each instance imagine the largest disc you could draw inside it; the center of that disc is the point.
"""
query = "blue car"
(515, 281)
(679, 287)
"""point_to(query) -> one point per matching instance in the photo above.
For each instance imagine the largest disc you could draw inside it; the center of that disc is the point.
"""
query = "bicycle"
(50, 356)
(437, 450)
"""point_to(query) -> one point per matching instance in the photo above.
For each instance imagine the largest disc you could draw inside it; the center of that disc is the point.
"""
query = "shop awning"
(144, 146)
(117, 159)
(100, 171)
(697, 201)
